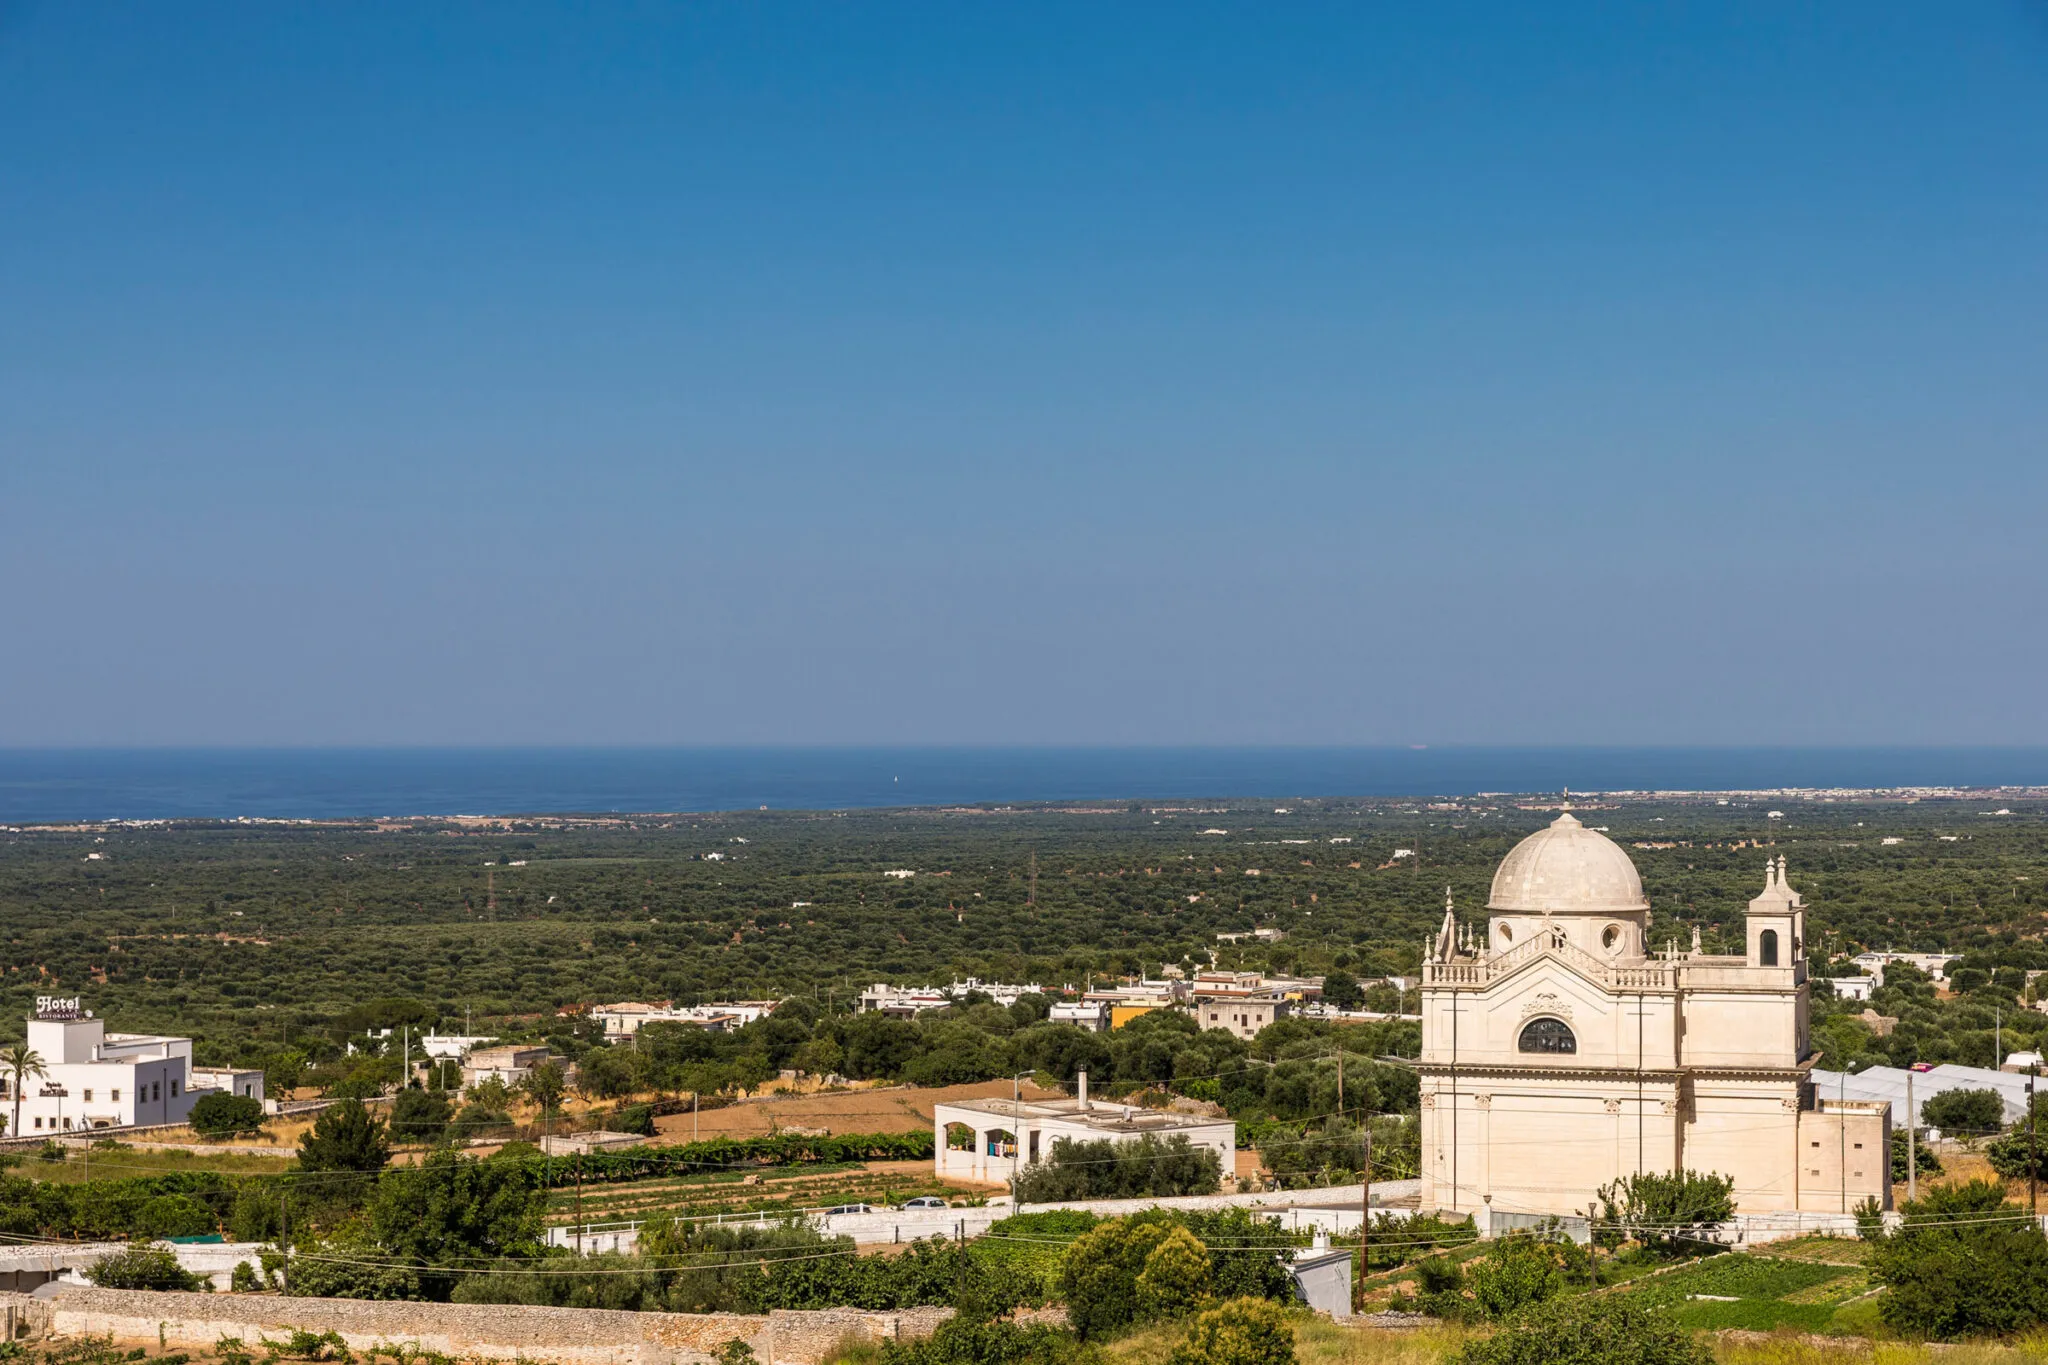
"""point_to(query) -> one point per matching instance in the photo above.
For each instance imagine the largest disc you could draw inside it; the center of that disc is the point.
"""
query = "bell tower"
(1777, 923)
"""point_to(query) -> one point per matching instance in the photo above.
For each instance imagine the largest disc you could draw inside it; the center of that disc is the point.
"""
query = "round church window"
(1547, 1035)
(1610, 939)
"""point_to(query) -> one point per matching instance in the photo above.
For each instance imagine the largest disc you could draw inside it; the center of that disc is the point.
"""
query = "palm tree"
(22, 1062)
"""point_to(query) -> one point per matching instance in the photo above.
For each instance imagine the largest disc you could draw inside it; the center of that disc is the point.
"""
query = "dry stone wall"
(474, 1332)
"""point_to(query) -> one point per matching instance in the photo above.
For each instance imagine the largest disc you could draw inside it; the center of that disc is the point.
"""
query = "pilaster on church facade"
(1560, 1054)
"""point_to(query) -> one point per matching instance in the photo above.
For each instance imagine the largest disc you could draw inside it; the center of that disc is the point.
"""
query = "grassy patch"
(1737, 1275)
(1755, 1293)
(1317, 1341)
(124, 1162)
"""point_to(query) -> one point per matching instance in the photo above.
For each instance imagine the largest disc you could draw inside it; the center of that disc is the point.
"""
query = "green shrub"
(244, 1280)
(1964, 1263)
(1176, 1277)
(1656, 1210)
(1603, 1329)
(1440, 1288)
(1519, 1271)
(219, 1114)
(1925, 1161)
(174, 1215)
(1099, 1274)
(141, 1267)
(1964, 1113)
(420, 1115)
(1120, 1170)
(477, 1120)
(349, 1268)
(345, 1146)
(1238, 1332)
(964, 1341)
(632, 1118)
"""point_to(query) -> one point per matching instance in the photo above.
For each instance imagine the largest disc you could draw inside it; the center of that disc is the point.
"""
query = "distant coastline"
(44, 785)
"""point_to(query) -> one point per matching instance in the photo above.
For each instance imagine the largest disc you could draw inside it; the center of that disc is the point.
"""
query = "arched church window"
(1767, 948)
(1547, 1035)
(1610, 938)
(1505, 934)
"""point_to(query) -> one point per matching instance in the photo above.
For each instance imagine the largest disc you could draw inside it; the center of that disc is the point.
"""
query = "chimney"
(1081, 1092)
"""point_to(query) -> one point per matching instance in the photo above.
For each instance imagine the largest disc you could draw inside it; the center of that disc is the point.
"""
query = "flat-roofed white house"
(233, 1080)
(96, 1079)
(1560, 1052)
(1092, 1015)
(1241, 1015)
(991, 1140)
(510, 1063)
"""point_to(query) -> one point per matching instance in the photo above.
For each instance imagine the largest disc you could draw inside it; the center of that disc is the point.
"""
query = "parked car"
(926, 1201)
(850, 1208)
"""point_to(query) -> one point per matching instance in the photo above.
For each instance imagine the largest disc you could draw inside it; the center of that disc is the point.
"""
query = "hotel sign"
(59, 1007)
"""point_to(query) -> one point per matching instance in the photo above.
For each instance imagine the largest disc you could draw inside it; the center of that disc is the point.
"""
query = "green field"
(1760, 1292)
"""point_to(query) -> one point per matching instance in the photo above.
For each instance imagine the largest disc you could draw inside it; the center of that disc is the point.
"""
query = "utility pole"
(2033, 1158)
(1340, 1079)
(1365, 1217)
(1032, 897)
(1842, 1128)
(1912, 1142)
(578, 1160)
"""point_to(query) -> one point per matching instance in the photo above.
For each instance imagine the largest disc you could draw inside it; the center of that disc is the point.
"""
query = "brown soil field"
(898, 1110)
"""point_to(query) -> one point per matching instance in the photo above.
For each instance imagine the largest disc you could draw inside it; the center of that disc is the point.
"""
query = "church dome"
(1567, 869)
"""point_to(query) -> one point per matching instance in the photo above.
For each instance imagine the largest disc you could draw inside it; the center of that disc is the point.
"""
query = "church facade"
(1560, 1053)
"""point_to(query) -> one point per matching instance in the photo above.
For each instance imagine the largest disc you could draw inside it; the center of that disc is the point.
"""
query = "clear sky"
(1027, 373)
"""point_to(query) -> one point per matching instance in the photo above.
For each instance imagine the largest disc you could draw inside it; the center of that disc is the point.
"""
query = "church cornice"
(1466, 1070)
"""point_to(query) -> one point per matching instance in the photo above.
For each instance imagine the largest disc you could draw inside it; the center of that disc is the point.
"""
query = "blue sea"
(136, 784)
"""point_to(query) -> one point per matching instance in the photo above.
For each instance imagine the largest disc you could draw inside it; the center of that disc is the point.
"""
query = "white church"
(1559, 1053)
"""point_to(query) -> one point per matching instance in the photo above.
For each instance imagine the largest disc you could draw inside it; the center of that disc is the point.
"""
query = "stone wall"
(561, 1336)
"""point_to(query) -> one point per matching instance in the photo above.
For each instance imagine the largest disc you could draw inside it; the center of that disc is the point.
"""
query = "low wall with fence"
(1333, 1208)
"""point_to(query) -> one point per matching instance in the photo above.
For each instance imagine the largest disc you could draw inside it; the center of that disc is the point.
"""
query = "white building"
(1001, 992)
(907, 1002)
(451, 1047)
(233, 1080)
(1851, 987)
(1241, 1015)
(1561, 1053)
(625, 1019)
(991, 1140)
(1934, 964)
(96, 1079)
(901, 1002)
(1092, 1015)
(510, 1063)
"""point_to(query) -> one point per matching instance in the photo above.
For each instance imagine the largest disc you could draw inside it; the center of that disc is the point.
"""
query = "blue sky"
(1042, 374)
